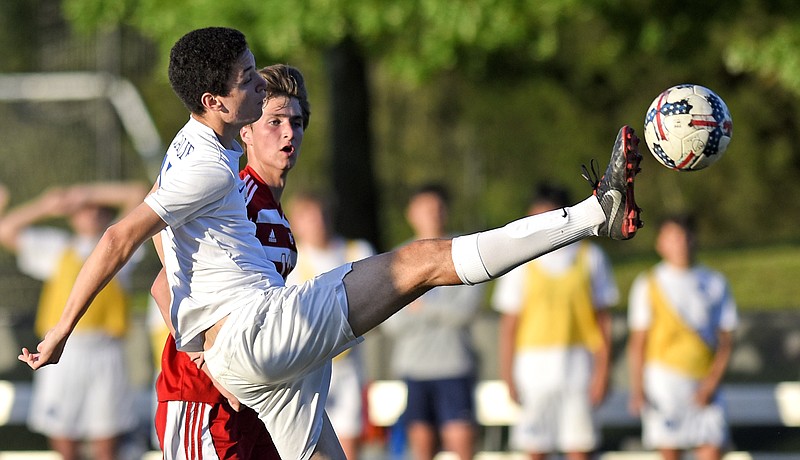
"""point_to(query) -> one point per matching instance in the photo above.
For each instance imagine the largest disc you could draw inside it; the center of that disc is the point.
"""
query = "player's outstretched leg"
(614, 190)
(378, 286)
(611, 211)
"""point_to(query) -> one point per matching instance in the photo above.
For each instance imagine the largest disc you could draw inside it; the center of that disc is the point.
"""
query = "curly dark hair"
(202, 62)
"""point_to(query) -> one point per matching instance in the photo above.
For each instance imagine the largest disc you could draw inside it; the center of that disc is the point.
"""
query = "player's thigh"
(379, 286)
(284, 335)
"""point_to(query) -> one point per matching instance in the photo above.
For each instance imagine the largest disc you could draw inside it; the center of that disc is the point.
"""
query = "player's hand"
(598, 390)
(636, 403)
(232, 400)
(197, 357)
(705, 393)
(512, 392)
(53, 203)
(234, 403)
(49, 350)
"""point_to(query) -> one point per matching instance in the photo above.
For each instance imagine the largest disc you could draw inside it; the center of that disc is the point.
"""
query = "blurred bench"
(747, 405)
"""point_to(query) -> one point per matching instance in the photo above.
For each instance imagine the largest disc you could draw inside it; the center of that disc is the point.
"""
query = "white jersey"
(213, 260)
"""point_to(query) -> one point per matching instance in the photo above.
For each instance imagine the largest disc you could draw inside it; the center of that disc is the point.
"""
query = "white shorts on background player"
(73, 400)
(345, 406)
(671, 419)
(556, 412)
(553, 382)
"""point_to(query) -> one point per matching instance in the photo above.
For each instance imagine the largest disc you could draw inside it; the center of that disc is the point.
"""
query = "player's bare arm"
(112, 252)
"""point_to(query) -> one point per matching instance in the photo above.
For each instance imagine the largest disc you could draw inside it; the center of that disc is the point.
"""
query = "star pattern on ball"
(680, 107)
(714, 136)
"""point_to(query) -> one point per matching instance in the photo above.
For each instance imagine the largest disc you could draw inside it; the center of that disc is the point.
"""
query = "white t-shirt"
(213, 260)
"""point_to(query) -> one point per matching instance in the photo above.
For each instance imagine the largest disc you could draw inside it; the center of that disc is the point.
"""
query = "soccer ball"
(688, 127)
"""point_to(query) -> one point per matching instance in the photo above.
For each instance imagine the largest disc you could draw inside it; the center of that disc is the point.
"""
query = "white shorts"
(671, 418)
(87, 395)
(556, 414)
(344, 406)
(275, 356)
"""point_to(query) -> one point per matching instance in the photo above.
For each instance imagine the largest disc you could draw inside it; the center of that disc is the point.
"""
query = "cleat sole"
(632, 221)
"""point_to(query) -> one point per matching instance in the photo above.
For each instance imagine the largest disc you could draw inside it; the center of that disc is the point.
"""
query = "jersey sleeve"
(639, 309)
(605, 292)
(40, 249)
(186, 192)
(508, 291)
(729, 317)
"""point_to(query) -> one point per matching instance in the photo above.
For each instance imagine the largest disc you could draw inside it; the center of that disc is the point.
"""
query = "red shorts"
(201, 431)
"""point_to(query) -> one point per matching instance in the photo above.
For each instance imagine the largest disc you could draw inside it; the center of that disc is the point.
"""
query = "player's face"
(427, 214)
(308, 223)
(245, 101)
(674, 245)
(273, 142)
(90, 220)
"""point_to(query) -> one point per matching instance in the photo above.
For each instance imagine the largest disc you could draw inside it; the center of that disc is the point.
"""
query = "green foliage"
(767, 45)
(492, 96)
(415, 38)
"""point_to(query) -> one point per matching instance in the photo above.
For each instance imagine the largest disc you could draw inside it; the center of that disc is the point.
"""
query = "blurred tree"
(566, 73)
(415, 38)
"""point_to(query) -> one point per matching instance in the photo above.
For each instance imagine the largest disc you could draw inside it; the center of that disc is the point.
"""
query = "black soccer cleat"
(614, 190)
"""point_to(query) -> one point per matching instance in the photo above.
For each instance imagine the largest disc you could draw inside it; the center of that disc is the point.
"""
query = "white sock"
(483, 256)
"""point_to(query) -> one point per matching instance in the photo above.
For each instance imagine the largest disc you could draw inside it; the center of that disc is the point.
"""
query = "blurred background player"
(682, 317)
(320, 250)
(193, 417)
(432, 348)
(88, 397)
(555, 342)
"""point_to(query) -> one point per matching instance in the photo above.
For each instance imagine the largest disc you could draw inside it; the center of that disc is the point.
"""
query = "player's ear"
(246, 133)
(211, 102)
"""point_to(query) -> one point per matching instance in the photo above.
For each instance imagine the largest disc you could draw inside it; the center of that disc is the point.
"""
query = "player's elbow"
(116, 243)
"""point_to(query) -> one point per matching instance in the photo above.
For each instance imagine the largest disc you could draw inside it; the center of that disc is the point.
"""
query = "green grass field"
(762, 278)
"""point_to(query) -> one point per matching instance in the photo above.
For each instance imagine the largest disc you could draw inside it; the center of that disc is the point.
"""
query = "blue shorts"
(440, 401)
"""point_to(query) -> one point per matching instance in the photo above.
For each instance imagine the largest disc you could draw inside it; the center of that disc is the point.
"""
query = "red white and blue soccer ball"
(688, 127)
